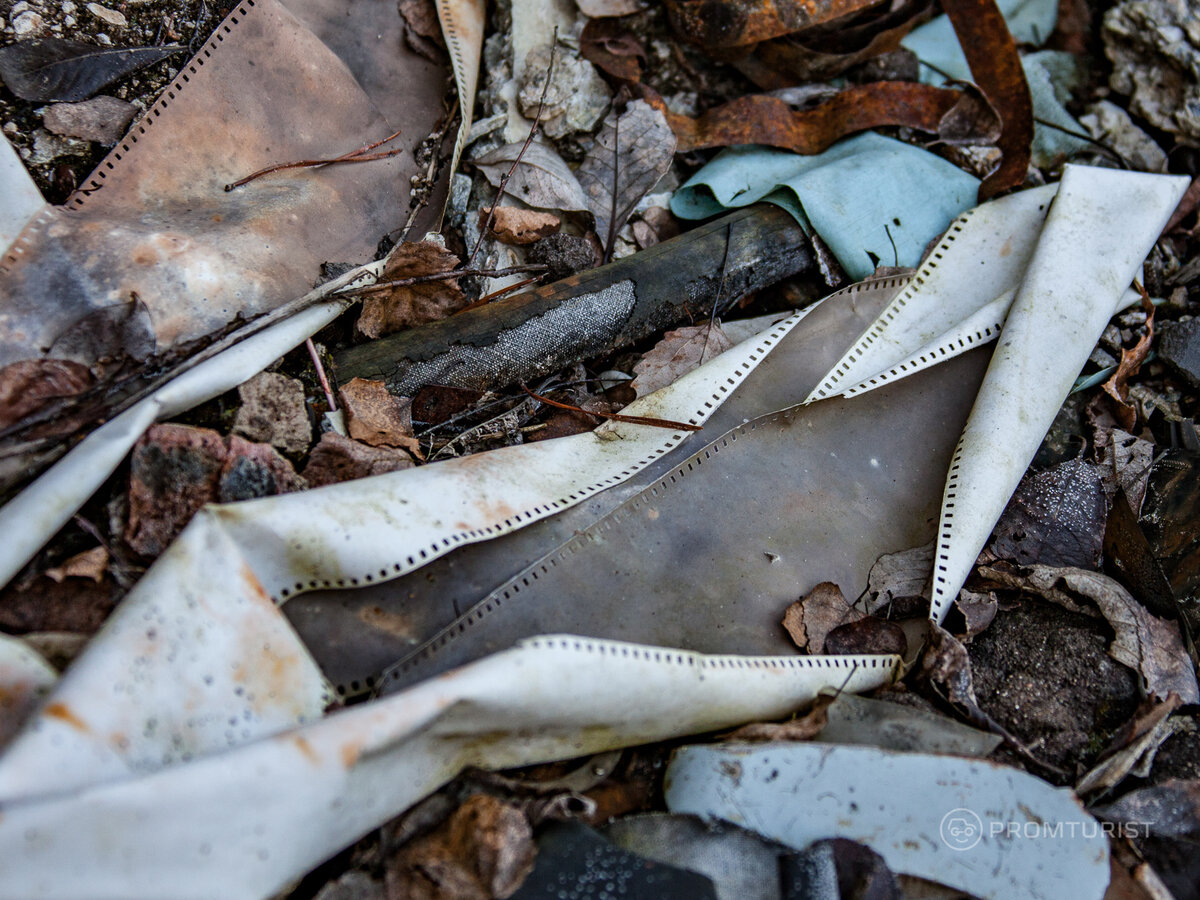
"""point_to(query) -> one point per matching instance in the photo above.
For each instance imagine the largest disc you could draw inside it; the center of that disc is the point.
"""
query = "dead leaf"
(1132, 748)
(541, 179)
(804, 728)
(1126, 460)
(631, 154)
(337, 458)
(1145, 643)
(677, 353)
(378, 418)
(1131, 363)
(655, 225)
(484, 850)
(88, 564)
(612, 47)
(414, 304)
(811, 618)
(600, 8)
(519, 226)
(898, 575)
(867, 635)
(46, 69)
(1055, 518)
(978, 611)
(422, 30)
(27, 386)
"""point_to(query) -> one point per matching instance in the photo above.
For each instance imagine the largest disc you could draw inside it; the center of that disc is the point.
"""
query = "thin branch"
(496, 295)
(533, 129)
(362, 154)
(316, 360)
(616, 417)
(382, 286)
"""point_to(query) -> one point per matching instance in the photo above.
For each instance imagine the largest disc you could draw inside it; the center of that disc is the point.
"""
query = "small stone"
(48, 147)
(1179, 348)
(337, 458)
(565, 254)
(104, 39)
(28, 24)
(68, 7)
(18, 8)
(577, 98)
(69, 21)
(102, 119)
(1111, 125)
(176, 469)
(273, 412)
(107, 16)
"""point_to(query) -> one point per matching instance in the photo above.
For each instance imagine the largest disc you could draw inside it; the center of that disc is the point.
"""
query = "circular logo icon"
(961, 829)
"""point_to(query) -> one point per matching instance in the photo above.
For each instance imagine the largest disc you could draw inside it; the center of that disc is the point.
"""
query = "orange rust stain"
(350, 754)
(256, 588)
(145, 257)
(388, 622)
(306, 748)
(61, 711)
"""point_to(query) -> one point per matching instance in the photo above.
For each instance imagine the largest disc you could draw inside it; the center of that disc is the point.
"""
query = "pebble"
(1179, 348)
(102, 119)
(27, 23)
(104, 39)
(68, 7)
(108, 16)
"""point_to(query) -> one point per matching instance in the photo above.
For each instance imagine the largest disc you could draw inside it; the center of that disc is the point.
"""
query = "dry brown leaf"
(1145, 643)
(519, 226)
(422, 30)
(338, 458)
(88, 564)
(484, 850)
(1133, 747)
(612, 47)
(1131, 362)
(804, 728)
(676, 354)
(902, 574)
(376, 417)
(631, 154)
(27, 386)
(542, 179)
(811, 618)
(414, 304)
(866, 635)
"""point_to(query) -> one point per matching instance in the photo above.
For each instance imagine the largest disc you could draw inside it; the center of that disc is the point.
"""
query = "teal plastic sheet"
(1049, 73)
(872, 199)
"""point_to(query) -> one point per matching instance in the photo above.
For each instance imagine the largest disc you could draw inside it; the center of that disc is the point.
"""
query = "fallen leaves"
(414, 304)
(632, 152)
(377, 418)
(809, 620)
(46, 69)
(1150, 646)
(1131, 363)
(519, 226)
(27, 386)
(676, 354)
(484, 850)
(541, 179)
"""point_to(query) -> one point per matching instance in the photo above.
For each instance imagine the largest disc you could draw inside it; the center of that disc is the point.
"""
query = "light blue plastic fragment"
(936, 45)
(872, 199)
(1049, 73)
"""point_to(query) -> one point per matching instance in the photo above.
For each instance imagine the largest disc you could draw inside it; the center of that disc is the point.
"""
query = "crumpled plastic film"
(153, 251)
(20, 200)
(874, 200)
(987, 829)
(246, 822)
(1102, 225)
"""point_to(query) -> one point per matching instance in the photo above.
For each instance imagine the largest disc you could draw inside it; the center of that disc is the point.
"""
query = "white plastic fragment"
(983, 828)
(247, 822)
(20, 199)
(1102, 225)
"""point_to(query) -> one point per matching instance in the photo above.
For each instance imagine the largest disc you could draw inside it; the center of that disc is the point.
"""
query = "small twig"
(435, 161)
(611, 239)
(381, 286)
(533, 129)
(712, 320)
(316, 360)
(496, 295)
(616, 417)
(362, 154)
